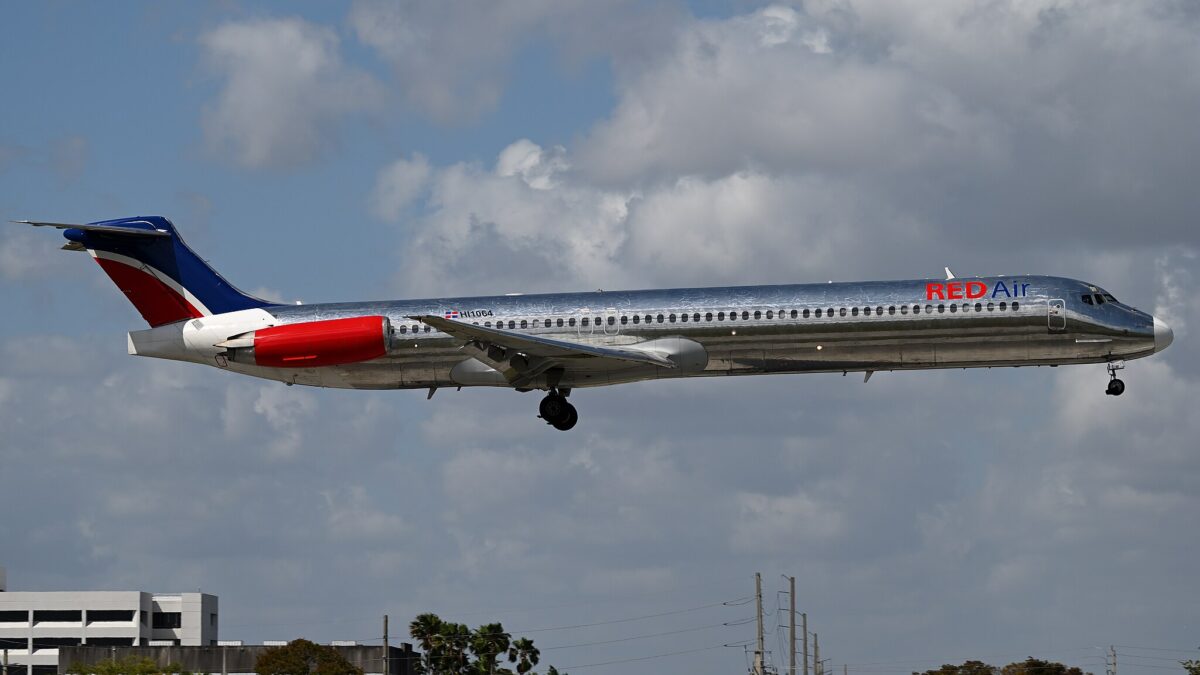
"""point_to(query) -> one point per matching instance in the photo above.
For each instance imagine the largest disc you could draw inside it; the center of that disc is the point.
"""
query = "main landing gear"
(1115, 386)
(557, 411)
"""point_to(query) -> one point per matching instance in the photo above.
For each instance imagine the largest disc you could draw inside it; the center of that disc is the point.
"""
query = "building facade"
(235, 659)
(35, 625)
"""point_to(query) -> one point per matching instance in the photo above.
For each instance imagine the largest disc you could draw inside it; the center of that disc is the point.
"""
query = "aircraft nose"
(1163, 335)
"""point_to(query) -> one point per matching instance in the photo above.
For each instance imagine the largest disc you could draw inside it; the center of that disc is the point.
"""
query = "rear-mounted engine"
(317, 343)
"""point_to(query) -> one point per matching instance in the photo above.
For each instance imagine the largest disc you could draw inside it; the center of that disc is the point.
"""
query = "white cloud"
(451, 57)
(285, 89)
(398, 186)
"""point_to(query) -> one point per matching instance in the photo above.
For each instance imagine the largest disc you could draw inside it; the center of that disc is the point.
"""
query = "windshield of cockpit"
(1097, 297)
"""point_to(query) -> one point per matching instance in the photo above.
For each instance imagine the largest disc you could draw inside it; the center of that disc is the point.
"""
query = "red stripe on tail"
(157, 302)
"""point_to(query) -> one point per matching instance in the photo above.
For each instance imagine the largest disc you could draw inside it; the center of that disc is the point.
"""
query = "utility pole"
(792, 626)
(804, 630)
(1112, 650)
(387, 654)
(6, 661)
(758, 649)
(817, 668)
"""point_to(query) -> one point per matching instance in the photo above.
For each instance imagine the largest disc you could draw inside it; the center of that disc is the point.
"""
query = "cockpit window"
(1109, 297)
(1087, 298)
(1099, 299)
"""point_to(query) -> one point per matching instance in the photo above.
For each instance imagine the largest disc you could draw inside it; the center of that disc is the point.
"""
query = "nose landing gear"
(557, 412)
(1115, 386)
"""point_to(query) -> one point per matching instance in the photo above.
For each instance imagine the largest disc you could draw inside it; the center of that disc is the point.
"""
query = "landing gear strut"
(1115, 386)
(557, 411)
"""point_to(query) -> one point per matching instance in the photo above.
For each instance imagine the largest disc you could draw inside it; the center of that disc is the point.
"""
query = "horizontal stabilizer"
(131, 230)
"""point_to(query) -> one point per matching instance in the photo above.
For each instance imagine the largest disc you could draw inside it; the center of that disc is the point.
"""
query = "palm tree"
(524, 654)
(487, 642)
(426, 629)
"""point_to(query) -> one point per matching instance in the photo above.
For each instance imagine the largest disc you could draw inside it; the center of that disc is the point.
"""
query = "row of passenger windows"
(746, 315)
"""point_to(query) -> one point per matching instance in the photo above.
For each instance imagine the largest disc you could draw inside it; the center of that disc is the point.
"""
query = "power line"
(643, 658)
(638, 637)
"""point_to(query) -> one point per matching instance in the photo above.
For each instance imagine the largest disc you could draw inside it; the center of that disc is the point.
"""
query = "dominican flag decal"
(452, 314)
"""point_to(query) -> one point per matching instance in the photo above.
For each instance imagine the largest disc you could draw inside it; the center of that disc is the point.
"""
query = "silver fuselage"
(804, 328)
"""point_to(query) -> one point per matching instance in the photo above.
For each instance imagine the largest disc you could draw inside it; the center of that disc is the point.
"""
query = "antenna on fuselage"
(949, 274)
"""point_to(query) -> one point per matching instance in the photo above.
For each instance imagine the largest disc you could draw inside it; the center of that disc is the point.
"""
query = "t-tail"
(147, 259)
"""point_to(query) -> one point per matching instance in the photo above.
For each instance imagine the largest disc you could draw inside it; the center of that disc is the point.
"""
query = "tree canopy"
(302, 657)
(450, 648)
(130, 665)
(1029, 666)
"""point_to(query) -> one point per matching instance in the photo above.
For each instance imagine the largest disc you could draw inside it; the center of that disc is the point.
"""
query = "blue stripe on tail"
(171, 256)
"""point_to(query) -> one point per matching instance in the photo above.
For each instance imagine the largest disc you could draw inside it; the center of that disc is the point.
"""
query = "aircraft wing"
(548, 348)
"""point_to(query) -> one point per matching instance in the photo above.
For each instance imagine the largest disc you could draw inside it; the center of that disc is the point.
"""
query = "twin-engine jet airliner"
(559, 342)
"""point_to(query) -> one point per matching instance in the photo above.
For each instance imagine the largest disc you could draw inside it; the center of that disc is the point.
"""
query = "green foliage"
(450, 648)
(1029, 666)
(1032, 666)
(1192, 666)
(967, 668)
(130, 665)
(301, 657)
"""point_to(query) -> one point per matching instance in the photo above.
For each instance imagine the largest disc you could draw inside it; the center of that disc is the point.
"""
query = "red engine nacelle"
(322, 343)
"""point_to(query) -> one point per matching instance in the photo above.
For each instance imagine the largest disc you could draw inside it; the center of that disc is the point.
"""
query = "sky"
(370, 150)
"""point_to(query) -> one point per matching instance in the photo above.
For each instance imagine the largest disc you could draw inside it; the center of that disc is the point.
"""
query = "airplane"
(556, 343)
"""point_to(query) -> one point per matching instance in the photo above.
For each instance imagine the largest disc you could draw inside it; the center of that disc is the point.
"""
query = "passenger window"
(929, 309)
(403, 330)
(879, 311)
(584, 321)
(916, 309)
(853, 312)
(720, 316)
(427, 329)
(979, 307)
(757, 314)
(660, 318)
(683, 318)
(1016, 306)
(745, 316)
(612, 320)
(546, 324)
(867, 311)
(829, 312)
(891, 309)
(770, 314)
(696, 317)
(671, 318)
(708, 317)
(624, 320)
(524, 323)
(560, 323)
(1087, 299)
(1003, 306)
(487, 324)
(817, 313)
(647, 319)
(953, 309)
(733, 316)
(904, 309)
(991, 306)
(941, 309)
(806, 313)
(637, 318)
(794, 313)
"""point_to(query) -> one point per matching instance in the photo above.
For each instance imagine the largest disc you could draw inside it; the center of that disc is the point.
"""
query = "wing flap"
(536, 345)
